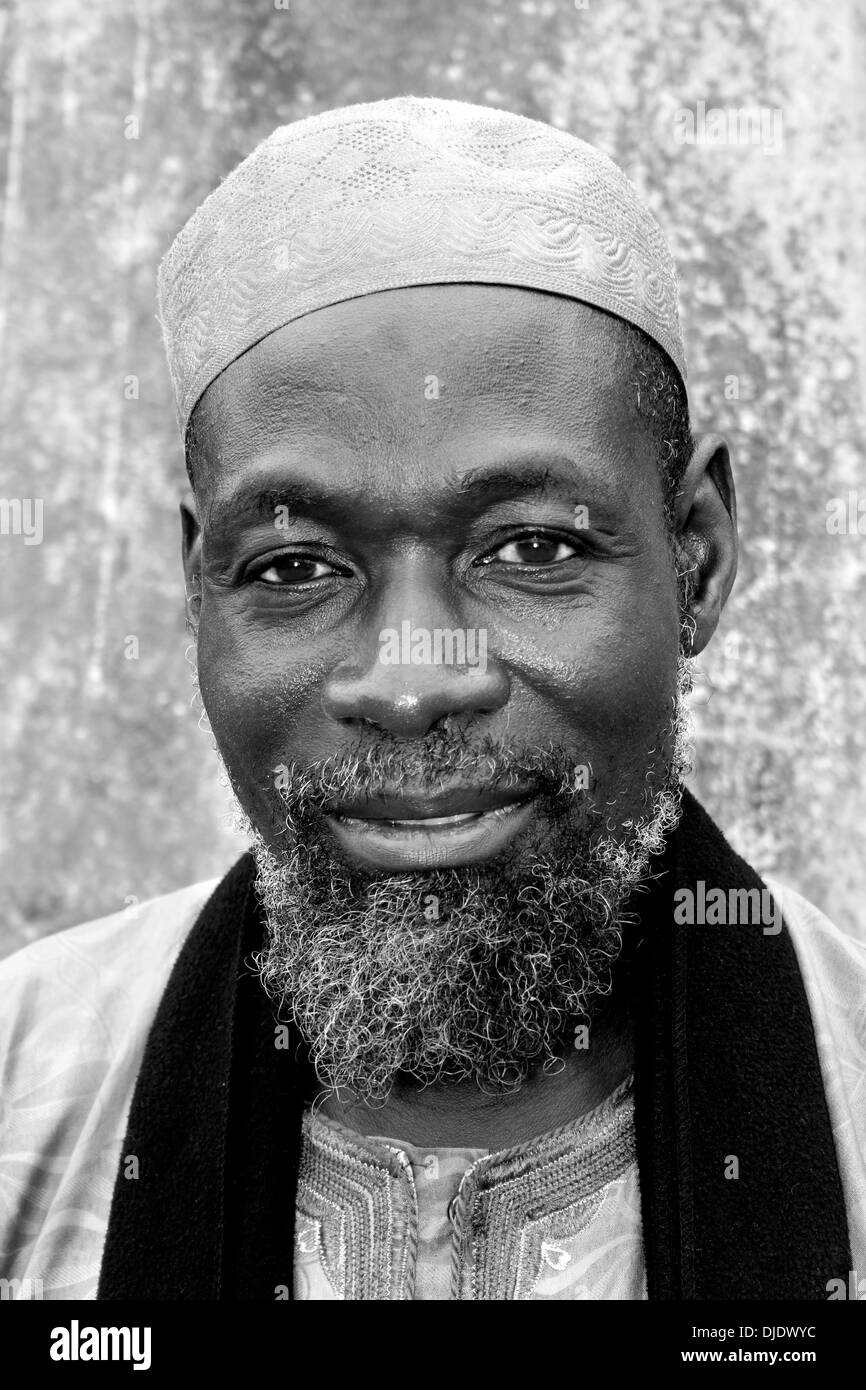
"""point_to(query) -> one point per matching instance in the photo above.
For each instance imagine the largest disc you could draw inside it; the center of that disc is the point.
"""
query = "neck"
(460, 1115)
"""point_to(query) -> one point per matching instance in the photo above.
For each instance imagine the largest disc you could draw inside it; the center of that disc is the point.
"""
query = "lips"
(431, 807)
(417, 832)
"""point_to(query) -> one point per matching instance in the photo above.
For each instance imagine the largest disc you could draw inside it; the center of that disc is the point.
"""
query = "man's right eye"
(291, 570)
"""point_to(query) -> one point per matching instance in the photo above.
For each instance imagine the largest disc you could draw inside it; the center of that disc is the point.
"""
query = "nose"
(414, 677)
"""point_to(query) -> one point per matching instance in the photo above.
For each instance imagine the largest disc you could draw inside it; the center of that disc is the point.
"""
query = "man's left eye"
(294, 569)
(532, 550)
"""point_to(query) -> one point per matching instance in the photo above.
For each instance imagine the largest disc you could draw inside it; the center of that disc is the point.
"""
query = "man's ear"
(706, 522)
(191, 550)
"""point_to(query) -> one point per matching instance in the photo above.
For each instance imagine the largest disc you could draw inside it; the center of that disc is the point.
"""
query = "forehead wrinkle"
(493, 388)
(272, 387)
(358, 378)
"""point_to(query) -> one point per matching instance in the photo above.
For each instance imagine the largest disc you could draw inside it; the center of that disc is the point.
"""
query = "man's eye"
(294, 569)
(532, 550)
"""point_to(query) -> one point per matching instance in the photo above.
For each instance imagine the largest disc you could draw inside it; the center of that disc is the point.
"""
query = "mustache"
(387, 766)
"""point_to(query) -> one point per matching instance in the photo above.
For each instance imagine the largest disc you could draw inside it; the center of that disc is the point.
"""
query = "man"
(491, 1010)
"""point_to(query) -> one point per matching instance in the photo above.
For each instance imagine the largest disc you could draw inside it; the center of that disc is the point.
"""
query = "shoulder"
(833, 961)
(77, 1010)
(104, 975)
(146, 931)
(833, 965)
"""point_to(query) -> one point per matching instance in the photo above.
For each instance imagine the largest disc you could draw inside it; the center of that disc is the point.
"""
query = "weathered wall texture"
(117, 118)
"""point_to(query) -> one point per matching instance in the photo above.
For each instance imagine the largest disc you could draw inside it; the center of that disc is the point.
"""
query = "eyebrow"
(527, 478)
(304, 498)
(242, 504)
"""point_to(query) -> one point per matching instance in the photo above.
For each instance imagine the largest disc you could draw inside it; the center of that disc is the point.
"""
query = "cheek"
(602, 681)
(256, 695)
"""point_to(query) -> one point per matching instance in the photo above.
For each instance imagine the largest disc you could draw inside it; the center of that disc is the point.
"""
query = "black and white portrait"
(433, 531)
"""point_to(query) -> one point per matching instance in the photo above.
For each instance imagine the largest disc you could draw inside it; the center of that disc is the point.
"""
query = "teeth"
(438, 820)
(431, 822)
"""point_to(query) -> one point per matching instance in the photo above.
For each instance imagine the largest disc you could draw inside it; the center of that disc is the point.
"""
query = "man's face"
(461, 459)
(432, 509)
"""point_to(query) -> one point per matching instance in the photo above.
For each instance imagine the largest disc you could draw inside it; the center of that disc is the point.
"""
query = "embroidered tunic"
(557, 1217)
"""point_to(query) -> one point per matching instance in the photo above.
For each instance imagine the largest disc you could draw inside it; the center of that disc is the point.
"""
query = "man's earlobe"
(706, 521)
(191, 551)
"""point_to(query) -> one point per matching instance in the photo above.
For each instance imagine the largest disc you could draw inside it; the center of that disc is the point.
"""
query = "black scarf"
(726, 1067)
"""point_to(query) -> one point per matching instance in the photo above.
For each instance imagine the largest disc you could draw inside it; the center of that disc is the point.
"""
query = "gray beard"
(481, 972)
